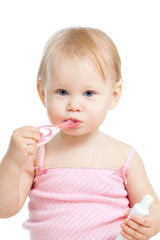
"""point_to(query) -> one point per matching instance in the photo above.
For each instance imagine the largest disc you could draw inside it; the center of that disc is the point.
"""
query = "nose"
(74, 105)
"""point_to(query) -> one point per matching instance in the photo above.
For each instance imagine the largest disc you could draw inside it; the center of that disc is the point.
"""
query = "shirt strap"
(41, 156)
(129, 158)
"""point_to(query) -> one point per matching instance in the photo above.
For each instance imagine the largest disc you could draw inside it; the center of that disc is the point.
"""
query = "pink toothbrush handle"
(47, 133)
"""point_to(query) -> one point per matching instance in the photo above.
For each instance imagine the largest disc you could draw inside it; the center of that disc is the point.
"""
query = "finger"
(136, 226)
(30, 128)
(32, 149)
(142, 220)
(128, 212)
(130, 233)
(31, 135)
(30, 141)
(28, 148)
(126, 236)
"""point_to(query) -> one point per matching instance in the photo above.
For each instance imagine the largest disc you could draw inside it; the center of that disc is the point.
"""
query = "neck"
(79, 139)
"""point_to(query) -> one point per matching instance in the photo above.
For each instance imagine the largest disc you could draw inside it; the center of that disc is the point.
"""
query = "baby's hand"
(23, 145)
(138, 227)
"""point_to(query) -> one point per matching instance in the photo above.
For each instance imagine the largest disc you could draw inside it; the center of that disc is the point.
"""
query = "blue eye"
(62, 92)
(88, 93)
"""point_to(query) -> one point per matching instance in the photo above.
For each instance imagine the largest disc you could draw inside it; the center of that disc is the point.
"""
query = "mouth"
(73, 122)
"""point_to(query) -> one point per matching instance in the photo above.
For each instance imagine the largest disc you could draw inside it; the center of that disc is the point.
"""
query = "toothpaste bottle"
(141, 208)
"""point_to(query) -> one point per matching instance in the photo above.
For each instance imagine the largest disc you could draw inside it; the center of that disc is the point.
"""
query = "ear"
(41, 91)
(116, 94)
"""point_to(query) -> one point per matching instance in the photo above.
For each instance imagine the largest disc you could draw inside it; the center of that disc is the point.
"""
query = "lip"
(74, 122)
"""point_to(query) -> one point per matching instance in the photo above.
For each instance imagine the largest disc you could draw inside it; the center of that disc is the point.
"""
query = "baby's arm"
(140, 227)
(15, 177)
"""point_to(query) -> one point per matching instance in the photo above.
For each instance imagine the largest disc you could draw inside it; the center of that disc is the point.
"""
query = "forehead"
(100, 55)
(80, 62)
(64, 68)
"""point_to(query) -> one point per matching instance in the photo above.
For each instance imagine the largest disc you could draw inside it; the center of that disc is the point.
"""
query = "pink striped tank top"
(77, 203)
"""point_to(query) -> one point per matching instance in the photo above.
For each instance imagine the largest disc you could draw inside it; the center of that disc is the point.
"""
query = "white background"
(134, 26)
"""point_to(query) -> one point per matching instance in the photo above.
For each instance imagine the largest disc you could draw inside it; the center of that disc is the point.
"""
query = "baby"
(82, 183)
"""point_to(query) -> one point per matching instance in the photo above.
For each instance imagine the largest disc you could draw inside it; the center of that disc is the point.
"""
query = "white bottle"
(141, 208)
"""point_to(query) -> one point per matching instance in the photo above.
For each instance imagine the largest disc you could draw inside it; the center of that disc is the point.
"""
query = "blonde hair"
(80, 42)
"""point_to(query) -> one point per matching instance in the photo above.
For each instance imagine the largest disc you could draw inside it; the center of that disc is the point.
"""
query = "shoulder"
(138, 183)
(118, 150)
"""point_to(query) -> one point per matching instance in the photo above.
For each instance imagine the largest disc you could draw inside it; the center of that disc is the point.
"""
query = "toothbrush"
(49, 131)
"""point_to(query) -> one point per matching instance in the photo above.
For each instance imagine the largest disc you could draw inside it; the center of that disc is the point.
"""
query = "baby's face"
(75, 90)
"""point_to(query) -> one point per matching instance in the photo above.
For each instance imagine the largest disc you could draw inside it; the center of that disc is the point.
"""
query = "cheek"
(54, 110)
(97, 114)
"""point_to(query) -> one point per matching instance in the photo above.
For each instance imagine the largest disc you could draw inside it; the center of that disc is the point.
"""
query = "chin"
(72, 132)
(77, 132)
